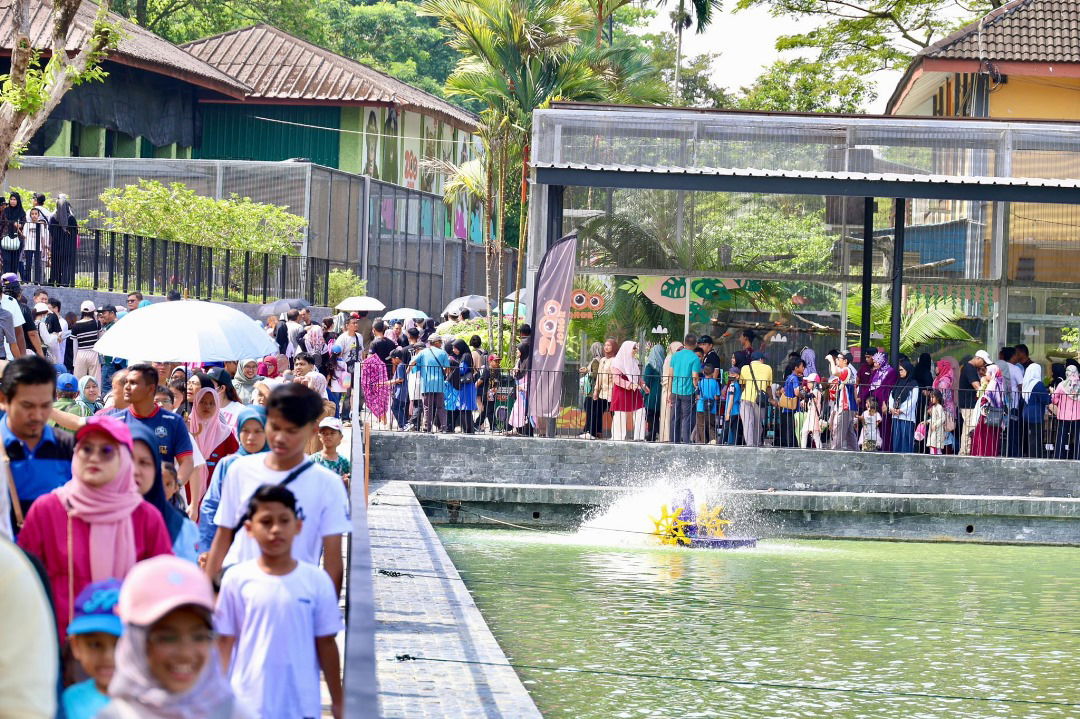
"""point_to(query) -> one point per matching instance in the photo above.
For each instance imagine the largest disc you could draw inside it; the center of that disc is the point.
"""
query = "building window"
(1025, 269)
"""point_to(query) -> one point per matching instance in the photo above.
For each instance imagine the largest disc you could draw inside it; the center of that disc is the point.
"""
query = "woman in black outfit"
(11, 232)
(64, 231)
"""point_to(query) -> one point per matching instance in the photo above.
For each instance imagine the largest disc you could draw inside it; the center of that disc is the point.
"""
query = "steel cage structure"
(910, 159)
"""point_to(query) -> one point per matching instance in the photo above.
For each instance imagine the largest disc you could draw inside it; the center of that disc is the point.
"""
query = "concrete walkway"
(433, 618)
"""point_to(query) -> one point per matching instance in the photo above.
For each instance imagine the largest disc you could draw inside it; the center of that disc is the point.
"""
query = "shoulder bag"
(762, 398)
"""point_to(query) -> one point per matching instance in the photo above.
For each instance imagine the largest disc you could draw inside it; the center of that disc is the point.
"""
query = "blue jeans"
(684, 418)
(108, 369)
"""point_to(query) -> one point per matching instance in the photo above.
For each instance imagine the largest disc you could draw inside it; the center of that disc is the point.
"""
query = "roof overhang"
(794, 182)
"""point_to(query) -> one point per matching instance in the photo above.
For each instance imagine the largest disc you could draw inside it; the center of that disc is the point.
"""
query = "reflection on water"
(709, 614)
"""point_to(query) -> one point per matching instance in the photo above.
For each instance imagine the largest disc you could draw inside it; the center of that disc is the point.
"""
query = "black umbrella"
(276, 308)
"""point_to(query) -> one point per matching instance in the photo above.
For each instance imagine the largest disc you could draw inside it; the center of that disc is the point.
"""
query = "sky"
(747, 41)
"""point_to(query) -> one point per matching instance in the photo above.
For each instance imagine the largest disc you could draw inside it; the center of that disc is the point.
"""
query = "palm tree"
(931, 322)
(700, 13)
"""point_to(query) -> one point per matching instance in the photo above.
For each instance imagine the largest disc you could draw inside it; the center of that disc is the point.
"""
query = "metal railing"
(119, 262)
(1008, 426)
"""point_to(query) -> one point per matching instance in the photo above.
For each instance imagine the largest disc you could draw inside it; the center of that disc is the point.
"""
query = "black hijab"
(924, 371)
(904, 385)
(174, 520)
(1057, 371)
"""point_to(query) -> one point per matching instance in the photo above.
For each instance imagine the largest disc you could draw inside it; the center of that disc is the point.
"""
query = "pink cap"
(156, 586)
(111, 426)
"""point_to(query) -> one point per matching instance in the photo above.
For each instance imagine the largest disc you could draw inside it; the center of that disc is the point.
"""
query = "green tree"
(31, 90)
(804, 86)
(690, 13)
(924, 324)
(869, 35)
(175, 212)
(181, 21)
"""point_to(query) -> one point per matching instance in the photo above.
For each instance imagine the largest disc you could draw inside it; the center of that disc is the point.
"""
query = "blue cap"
(335, 349)
(60, 369)
(95, 609)
(67, 382)
(758, 356)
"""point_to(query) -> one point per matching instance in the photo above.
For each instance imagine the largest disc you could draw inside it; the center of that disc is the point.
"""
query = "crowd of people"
(186, 523)
(690, 394)
(39, 244)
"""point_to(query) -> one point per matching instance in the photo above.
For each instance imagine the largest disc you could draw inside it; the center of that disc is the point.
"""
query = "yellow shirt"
(760, 381)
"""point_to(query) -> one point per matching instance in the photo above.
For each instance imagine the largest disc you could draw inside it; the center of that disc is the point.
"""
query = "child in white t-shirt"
(870, 436)
(278, 617)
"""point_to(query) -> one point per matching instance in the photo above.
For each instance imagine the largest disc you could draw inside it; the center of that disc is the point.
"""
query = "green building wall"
(232, 132)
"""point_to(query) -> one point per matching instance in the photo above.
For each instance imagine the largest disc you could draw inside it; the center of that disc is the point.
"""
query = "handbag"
(791, 403)
(920, 431)
(10, 244)
(762, 399)
(995, 416)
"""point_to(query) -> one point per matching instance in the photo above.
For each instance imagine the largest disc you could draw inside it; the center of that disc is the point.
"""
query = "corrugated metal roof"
(138, 48)
(814, 175)
(1019, 31)
(280, 66)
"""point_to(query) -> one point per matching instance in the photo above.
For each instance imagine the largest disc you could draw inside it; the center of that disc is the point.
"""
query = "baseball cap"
(984, 356)
(9, 278)
(434, 338)
(757, 356)
(812, 377)
(156, 586)
(67, 382)
(109, 425)
(331, 422)
(41, 307)
(87, 306)
(95, 609)
(704, 340)
(107, 308)
(335, 349)
(219, 375)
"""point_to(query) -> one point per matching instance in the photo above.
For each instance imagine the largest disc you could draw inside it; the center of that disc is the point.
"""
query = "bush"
(175, 212)
(344, 283)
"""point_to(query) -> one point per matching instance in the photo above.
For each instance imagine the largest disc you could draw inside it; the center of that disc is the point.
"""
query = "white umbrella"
(523, 296)
(360, 304)
(186, 331)
(404, 313)
(475, 304)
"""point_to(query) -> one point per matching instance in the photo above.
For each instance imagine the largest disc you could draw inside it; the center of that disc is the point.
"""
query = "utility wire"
(742, 683)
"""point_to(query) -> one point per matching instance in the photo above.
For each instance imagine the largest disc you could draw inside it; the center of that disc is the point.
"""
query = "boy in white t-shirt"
(292, 412)
(280, 616)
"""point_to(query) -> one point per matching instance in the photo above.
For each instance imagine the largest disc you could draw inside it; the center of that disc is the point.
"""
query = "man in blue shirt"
(685, 373)
(40, 456)
(432, 364)
(168, 428)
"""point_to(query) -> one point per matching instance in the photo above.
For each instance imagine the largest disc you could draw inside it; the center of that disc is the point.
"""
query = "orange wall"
(1042, 98)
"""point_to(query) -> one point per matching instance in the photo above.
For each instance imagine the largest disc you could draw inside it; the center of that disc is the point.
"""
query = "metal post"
(153, 261)
(247, 273)
(138, 262)
(97, 256)
(555, 215)
(228, 266)
(867, 269)
(266, 274)
(127, 262)
(900, 208)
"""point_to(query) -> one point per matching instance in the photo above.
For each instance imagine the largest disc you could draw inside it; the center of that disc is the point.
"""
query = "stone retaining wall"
(411, 456)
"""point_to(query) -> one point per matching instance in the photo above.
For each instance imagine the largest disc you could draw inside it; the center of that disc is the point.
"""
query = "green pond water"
(784, 612)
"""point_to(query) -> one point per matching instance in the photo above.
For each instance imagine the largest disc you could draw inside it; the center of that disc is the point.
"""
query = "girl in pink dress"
(626, 394)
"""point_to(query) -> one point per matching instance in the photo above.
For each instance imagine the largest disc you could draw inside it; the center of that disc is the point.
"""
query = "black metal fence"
(1012, 425)
(119, 262)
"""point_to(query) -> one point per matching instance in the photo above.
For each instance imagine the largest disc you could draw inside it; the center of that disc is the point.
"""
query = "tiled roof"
(1019, 31)
(138, 48)
(280, 66)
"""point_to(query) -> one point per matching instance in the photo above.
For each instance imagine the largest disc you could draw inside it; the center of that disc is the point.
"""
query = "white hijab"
(1032, 376)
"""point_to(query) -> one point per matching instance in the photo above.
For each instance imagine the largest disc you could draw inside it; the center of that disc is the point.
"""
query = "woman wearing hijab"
(251, 431)
(1066, 399)
(518, 420)
(429, 329)
(64, 230)
(903, 404)
(1036, 399)
(948, 376)
(863, 376)
(12, 220)
(986, 441)
(36, 246)
(268, 367)
(244, 382)
(881, 384)
(374, 384)
(654, 371)
(88, 403)
(594, 419)
(167, 664)
(96, 526)
(809, 356)
(666, 414)
(213, 435)
(626, 393)
(146, 462)
(466, 393)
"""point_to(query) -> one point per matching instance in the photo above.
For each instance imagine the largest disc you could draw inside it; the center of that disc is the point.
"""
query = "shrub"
(175, 212)
(344, 283)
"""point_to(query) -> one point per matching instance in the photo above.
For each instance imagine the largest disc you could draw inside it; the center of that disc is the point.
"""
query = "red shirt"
(45, 536)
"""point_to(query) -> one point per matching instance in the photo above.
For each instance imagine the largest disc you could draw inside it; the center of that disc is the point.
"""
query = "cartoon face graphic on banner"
(430, 153)
(584, 304)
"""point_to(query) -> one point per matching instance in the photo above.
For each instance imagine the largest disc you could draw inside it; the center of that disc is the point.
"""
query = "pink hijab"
(107, 509)
(214, 430)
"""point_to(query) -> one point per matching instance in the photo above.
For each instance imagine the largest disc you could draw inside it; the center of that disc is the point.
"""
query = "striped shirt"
(86, 332)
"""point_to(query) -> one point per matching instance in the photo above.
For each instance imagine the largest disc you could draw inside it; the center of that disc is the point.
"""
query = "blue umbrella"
(508, 309)
(405, 313)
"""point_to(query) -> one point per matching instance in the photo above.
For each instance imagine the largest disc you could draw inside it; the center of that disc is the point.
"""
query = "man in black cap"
(711, 360)
(106, 315)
